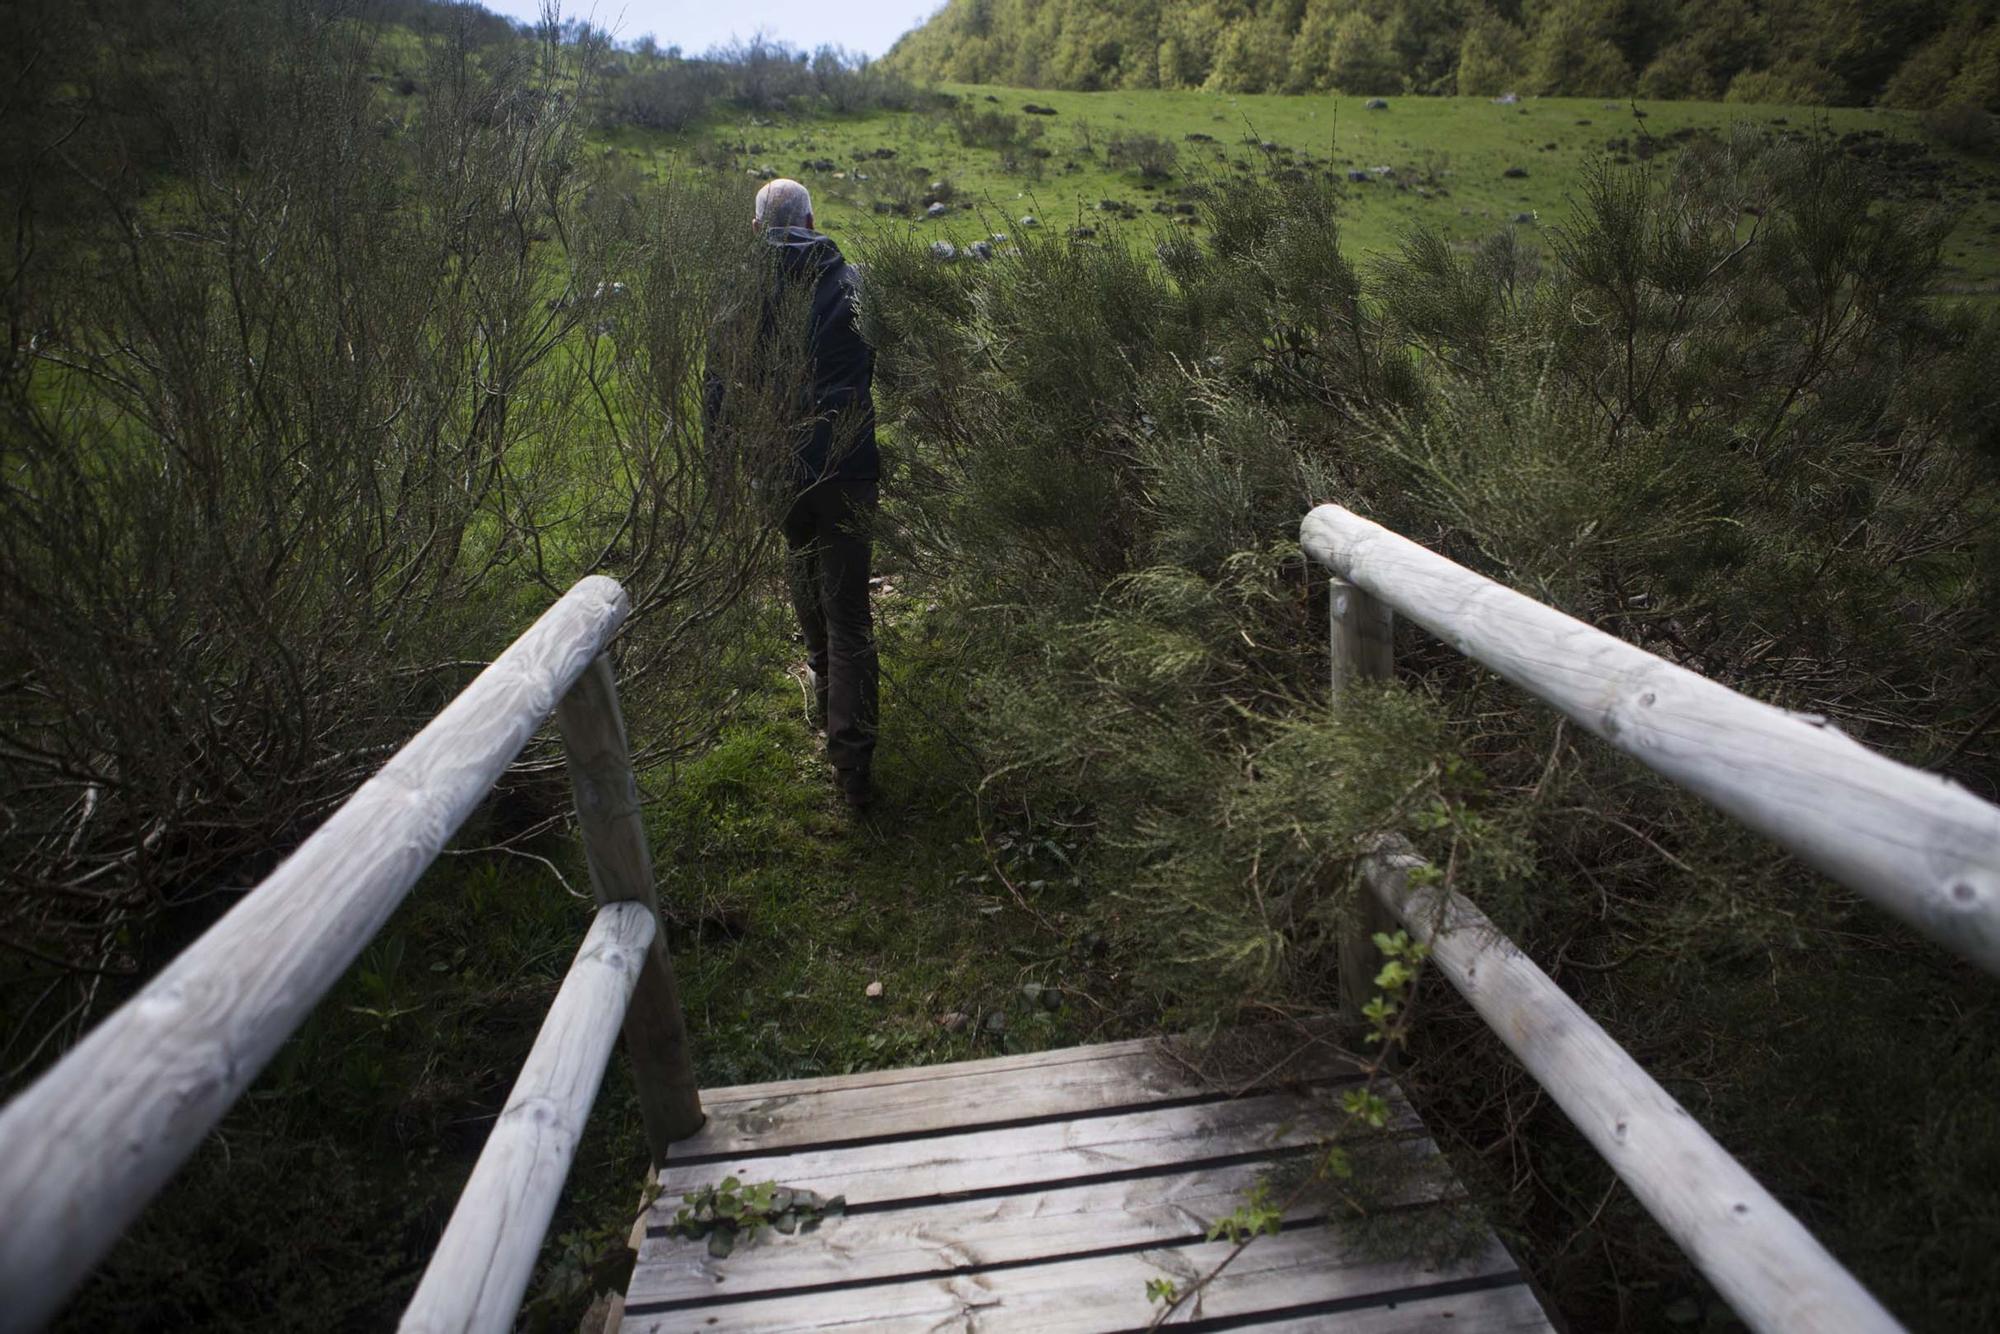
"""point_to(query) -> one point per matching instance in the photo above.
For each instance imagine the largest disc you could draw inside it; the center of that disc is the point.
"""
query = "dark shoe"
(855, 788)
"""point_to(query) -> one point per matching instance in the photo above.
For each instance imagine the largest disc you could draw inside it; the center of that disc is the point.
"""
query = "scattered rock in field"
(1527, 218)
(939, 210)
(996, 1023)
(882, 153)
(817, 164)
(1583, 122)
(1359, 177)
(953, 1022)
(1082, 233)
(1030, 220)
(1506, 99)
(998, 238)
(1199, 138)
(1034, 110)
(943, 250)
(1375, 104)
(980, 250)
(874, 991)
(1515, 173)
(1269, 146)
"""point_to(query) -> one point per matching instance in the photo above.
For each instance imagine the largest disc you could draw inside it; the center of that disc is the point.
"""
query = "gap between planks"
(1064, 1221)
(1300, 1272)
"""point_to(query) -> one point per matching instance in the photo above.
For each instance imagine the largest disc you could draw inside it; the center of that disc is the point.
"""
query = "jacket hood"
(802, 250)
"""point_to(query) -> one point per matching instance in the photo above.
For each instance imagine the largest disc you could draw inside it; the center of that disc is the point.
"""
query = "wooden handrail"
(487, 1254)
(90, 1143)
(1918, 845)
(1773, 1272)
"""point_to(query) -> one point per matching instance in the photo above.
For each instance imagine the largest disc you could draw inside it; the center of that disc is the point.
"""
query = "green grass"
(1457, 148)
(789, 905)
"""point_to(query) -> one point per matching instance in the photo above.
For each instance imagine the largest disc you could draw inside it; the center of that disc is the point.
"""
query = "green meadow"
(1463, 166)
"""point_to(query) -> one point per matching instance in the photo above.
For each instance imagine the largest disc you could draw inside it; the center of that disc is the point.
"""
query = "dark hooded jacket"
(843, 365)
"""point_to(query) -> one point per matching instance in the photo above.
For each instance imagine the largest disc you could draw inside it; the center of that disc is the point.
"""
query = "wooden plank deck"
(1040, 1193)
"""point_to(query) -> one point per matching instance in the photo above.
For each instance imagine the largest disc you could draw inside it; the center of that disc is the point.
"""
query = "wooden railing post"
(1363, 649)
(621, 870)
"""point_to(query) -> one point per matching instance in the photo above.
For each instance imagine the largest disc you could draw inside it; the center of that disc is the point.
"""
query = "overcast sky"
(870, 26)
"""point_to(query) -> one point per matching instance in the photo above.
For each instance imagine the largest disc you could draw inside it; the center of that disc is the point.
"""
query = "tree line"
(1905, 53)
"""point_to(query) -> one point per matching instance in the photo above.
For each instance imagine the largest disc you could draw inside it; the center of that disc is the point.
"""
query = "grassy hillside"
(1448, 160)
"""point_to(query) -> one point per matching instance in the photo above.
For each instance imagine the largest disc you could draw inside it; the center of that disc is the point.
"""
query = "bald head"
(784, 203)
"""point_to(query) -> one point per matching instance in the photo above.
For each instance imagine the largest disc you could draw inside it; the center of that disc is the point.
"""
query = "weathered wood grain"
(1175, 1207)
(1298, 1268)
(1773, 1273)
(762, 1118)
(1362, 648)
(1047, 1152)
(1484, 1311)
(1362, 644)
(1918, 845)
(922, 1074)
(484, 1260)
(97, 1136)
(621, 871)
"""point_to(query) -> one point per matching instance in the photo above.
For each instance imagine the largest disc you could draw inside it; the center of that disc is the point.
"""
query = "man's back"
(842, 443)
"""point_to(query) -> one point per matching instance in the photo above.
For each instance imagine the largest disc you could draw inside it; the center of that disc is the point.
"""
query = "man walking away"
(835, 470)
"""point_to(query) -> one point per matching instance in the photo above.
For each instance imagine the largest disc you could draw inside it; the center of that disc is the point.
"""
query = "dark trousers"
(826, 542)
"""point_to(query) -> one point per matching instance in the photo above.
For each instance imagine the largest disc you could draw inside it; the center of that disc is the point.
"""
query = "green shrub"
(1969, 129)
(1153, 157)
(1757, 451)
(318, 420)
(977, 127)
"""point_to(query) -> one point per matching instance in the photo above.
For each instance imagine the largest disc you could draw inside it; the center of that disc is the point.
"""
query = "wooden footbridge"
(1030, 1193)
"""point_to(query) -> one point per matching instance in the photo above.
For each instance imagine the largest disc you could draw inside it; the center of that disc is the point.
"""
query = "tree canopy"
(1909, 53)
